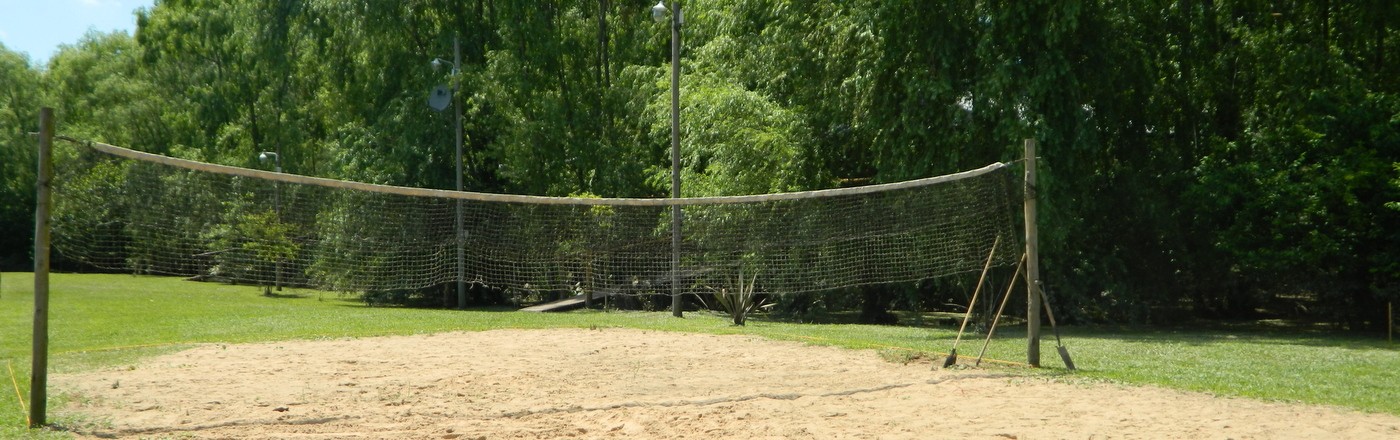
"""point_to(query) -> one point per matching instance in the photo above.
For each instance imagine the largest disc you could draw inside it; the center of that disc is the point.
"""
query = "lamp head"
(437, 64)
(659, 12)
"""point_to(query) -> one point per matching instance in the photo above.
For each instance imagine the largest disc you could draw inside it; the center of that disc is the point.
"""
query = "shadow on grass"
(1192, 333)
(940, 320)
(358, 303)
(1215, 333)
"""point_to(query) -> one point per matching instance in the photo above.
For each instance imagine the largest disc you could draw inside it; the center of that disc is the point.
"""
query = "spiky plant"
(741, 300)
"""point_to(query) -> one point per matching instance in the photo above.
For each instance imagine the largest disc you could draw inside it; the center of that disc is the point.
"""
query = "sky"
(38, 27)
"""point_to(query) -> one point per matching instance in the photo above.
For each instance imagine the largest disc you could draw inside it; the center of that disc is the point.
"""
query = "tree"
(19, 115)
(99, 92)
(1222, 157)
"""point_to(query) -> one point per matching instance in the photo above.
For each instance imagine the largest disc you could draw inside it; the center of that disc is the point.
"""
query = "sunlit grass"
(1336, 369)
(110, 320)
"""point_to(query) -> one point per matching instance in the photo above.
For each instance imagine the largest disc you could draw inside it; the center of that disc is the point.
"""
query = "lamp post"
(659, 13)
(277, 210)
(435, 100)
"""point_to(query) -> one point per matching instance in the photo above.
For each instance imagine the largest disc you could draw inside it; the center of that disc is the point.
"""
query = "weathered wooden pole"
(1033, 304)
(39, 371)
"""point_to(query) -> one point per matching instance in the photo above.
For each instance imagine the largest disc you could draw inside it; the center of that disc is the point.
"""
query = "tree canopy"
(1213, 156)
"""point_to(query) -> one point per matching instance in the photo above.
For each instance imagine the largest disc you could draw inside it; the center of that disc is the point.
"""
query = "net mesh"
(124, 210)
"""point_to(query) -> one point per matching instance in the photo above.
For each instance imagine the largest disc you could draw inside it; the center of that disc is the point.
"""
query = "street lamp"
(277, 211)
(274, 157)
(439, 99)
(659, 13)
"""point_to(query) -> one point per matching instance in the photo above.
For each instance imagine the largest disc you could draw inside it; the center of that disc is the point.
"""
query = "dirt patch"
(579, 383)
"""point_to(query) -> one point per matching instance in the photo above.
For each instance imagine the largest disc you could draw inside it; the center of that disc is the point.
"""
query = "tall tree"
(19, 115)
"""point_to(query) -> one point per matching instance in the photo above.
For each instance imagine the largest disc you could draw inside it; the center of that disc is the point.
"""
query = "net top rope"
(516, 198)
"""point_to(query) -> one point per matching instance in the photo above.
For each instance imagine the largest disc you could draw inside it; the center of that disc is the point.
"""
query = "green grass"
(112, 320)
(1274, 364)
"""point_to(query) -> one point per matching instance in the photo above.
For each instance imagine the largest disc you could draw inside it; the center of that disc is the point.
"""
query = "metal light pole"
(659, 13)
(277, 210)
(457, 232)
(461, 252)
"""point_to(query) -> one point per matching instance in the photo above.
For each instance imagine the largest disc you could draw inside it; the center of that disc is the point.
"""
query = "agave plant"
(741, 300)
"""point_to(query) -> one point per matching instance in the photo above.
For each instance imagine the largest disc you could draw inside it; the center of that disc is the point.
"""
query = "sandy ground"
(613, 383)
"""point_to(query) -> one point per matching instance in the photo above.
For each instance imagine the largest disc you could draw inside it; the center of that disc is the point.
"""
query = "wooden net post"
(1033, 304)
(39, 374)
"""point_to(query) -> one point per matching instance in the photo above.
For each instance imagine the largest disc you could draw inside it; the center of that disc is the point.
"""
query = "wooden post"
(588, 285)
(39, 371)
(1033, 304)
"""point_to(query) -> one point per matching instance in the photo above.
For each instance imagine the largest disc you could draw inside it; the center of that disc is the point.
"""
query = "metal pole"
(461, 251)
(676, 157)
(1033, 304)
(277, 210)
(39, 370)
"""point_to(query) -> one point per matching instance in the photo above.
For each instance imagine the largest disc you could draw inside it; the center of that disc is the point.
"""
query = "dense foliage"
(1217, 156)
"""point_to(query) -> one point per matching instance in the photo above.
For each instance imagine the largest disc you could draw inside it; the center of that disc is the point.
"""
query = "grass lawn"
(105, 320)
